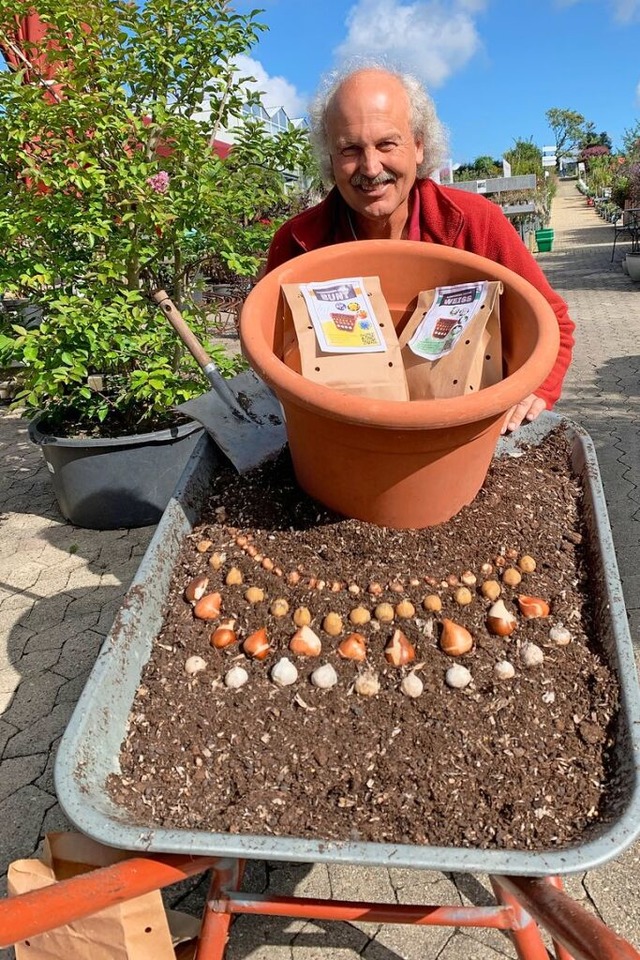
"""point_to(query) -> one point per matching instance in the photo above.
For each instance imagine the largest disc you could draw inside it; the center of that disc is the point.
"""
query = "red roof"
(221, 148)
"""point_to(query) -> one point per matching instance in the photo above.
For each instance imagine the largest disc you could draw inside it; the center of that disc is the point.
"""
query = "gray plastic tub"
(90, 748)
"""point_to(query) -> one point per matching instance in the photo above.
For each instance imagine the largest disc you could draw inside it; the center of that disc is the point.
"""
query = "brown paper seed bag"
(474, 363)
(134, 930)
(379, 375)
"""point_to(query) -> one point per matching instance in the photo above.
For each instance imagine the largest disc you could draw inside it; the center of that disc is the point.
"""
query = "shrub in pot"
(110, 187)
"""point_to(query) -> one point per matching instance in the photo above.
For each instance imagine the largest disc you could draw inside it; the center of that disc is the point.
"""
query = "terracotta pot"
(397, 463)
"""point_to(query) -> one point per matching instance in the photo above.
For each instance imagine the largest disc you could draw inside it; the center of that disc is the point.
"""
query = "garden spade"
(241, 414)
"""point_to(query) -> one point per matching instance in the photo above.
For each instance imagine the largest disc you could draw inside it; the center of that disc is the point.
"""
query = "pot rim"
(41, 438)
(489, 402)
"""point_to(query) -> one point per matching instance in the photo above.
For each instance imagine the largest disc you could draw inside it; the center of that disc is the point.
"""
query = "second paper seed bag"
(133, 930)
(451, 344)
(353, 347)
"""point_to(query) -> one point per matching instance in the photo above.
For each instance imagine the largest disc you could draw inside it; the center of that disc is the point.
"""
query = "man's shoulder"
(305, 231)
(311, 215)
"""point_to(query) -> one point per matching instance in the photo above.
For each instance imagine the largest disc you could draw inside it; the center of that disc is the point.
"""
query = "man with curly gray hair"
(378, 141)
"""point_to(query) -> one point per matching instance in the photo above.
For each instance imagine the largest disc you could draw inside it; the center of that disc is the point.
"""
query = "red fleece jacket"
(454, 218)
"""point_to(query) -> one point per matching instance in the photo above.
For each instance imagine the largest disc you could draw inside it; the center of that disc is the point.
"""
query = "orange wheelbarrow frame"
(524, 905)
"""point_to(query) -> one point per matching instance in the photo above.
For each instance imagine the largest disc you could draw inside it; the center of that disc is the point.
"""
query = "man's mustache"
(358, 180)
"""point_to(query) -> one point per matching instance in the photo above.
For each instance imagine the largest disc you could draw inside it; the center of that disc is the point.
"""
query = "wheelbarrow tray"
(89, 751)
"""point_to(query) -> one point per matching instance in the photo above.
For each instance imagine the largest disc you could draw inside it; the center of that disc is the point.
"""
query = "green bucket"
(544, 240)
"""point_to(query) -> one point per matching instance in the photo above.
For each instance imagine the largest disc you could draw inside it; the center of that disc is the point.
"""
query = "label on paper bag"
(444, 323)
(342, 316)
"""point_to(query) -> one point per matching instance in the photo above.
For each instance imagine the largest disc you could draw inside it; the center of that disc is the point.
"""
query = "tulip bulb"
(224, 635)
(353, 647)
(305, 643)
(500, 621)
(257, 646)
(208, 607)
(533, 607)
(399, 650)
(196, 589)
(454, 639)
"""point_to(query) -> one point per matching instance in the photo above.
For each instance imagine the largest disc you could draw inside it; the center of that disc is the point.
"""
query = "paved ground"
(61, 586)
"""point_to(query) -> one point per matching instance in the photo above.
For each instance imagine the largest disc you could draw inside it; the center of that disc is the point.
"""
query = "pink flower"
(159, 182)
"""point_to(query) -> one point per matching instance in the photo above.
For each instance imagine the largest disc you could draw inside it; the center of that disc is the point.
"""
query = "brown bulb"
(257, 645)
(455, 639)
(353, 647)
(399, 650)
(208, 607)
(196, 589)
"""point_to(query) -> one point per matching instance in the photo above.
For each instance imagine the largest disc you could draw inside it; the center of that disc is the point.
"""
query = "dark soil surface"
(521, 763)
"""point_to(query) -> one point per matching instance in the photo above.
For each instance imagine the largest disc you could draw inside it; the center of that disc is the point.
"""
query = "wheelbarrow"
(526, 884)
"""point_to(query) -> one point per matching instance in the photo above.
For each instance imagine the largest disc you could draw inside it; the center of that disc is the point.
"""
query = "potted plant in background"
(109, 186)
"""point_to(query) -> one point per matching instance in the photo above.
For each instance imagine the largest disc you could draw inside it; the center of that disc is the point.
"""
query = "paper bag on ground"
(340, 333)
(451, 343)
(134, 930)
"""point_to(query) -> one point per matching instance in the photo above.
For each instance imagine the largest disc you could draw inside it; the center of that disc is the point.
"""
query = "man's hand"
(528, 409)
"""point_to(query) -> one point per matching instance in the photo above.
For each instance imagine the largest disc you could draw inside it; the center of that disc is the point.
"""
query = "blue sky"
(493, 67)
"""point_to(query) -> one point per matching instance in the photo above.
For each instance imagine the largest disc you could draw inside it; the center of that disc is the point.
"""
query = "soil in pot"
(523, 763)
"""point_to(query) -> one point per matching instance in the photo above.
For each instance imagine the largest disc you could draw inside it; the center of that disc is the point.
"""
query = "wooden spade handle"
(176, 320)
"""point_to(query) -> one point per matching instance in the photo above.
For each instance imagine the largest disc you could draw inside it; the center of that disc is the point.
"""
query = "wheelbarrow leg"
(226, 876)
(561, 953)
(526, 935)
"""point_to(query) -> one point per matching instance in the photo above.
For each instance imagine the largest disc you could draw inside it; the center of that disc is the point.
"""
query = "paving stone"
(21, 816)
(34, 688)
(40, 734)
(90, 601)
(52, 580)
(259, 938)
(82, 577)
(615, 897)
(7, 730)
(70, 691)
(79, 653)
(315, 940)
(47, 610)
(21, 576)
(13, 643)
(54, 822)
(17, 772)
(463, 946)
(55, 635)
(45, 779)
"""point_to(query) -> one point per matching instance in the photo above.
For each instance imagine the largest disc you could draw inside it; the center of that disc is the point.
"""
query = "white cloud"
(624, 11)
(276, 91)
(430, 38)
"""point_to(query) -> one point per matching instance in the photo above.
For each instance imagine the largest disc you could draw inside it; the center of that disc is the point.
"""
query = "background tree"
(592, 139)
(568, 129)
(525, 157)
(482, 168)
(631, 141)
(109, 186)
